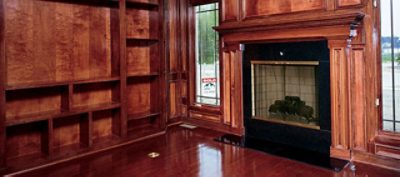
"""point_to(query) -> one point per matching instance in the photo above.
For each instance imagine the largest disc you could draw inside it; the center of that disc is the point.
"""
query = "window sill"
(206, 109)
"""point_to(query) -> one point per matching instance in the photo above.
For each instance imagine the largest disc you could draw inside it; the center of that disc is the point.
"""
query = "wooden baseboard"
(376, 160)
(83, 155)
(214, 126)
(340, 153)
(174, 124)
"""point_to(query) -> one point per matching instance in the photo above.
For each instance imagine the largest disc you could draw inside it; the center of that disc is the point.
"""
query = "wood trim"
(376, 160)
(2, 86)
(301, 34)
(339, 5)
(192, 64)
(250, 17)
(315, 19)
(340, 153)
(162, 84)
(206, 109)
(214, 126)
(123, 69)
(185, 50)
(340, 113)
(192, 56)
(226, 101)
(201, 115)
(358, 100)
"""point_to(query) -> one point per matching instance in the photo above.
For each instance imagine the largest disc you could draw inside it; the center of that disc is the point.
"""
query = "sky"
(385, 17)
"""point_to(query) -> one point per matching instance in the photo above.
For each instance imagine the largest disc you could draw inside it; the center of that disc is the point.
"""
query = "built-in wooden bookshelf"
(78, 77)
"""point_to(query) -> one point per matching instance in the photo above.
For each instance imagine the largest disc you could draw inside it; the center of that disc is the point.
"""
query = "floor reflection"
(187, 153)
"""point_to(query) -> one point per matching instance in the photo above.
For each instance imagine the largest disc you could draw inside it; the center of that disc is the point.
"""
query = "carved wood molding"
(315, 19)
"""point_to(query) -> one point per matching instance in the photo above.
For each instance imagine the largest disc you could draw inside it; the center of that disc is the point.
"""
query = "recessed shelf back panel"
(142, 23)
(28, 139)
(25, 102)
(56, 41)
(94, 94)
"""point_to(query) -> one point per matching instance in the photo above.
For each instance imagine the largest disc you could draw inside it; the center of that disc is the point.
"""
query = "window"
(207, 55)
(390, 47)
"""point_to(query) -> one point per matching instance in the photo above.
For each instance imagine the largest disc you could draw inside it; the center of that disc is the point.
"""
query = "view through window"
(390, 43)
(207, 63)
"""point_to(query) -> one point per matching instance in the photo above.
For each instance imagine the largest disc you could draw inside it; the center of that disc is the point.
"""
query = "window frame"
(193, 105)
(379, 84)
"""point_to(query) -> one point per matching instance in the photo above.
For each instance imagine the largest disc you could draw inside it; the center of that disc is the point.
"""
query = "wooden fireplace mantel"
(352, 68)
(315, 19)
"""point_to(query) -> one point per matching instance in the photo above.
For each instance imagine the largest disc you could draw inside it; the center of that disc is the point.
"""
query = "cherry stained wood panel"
(173, 100)
(24, 140)
(344, 3)
(358, 101)
(93, 94)
(142, 23)
(50, 41)
(174, 61)
(139, 97)
(257, 8)
(340, 100)
(184, 35)
(226, 102)
(236, 88)
(103, 124)
(2, 87)
(70, 132)
(22, 102)
(173, 33)
(230, 10)
(140, 55)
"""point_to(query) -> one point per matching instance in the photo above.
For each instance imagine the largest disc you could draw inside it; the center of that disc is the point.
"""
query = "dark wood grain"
(2, 87)
(194, 153)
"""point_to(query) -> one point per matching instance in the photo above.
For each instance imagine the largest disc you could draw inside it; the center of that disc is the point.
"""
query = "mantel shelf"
(274, 22)
(45, 115)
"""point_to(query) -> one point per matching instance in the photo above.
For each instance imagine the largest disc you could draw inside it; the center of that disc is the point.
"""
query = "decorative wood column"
(358, 98)
(232, 85)
(340, 113)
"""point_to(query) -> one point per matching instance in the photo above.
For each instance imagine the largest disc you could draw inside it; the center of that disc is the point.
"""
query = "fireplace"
(286, 94)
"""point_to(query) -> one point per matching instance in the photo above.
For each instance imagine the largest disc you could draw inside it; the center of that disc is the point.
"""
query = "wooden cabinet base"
(26, 166)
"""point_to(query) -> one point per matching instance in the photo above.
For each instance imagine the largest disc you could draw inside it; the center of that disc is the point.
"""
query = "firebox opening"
(285, 92)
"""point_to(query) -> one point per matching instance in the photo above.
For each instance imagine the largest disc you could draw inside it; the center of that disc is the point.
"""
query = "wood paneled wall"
(177, 56)
(78, 77)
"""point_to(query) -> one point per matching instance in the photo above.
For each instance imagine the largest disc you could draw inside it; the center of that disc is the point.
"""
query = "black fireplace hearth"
(286, 94)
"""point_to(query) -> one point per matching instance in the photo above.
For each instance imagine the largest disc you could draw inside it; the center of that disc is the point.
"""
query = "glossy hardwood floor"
(190, 153)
